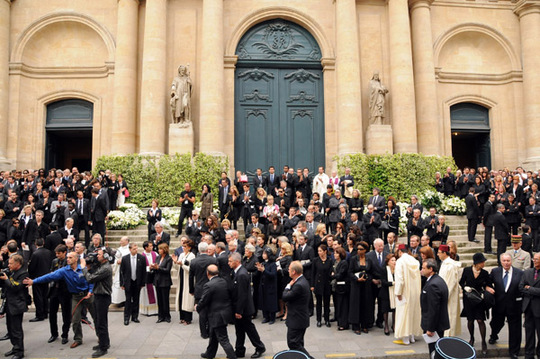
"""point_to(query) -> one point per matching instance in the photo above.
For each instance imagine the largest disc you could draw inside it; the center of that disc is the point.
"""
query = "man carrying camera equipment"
(12, 282)
(100, 275)
(78, 286)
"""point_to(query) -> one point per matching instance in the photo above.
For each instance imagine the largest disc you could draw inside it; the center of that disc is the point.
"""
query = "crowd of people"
(309, 241)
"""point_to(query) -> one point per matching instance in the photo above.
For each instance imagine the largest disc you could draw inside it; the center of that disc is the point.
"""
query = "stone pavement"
(164, 340)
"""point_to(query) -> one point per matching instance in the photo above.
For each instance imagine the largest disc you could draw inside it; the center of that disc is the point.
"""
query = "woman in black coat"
(321, 271)
(268, 287)
(356, 203)
(153, 216)
(163, 282)
(512, 214)
(284, 261)
(274, 229)
(386, 293)
(391, 215)
(340, 288)
(361, 307)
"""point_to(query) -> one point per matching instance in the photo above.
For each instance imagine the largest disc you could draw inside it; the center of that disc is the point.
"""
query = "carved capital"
(526, 7)
(414, 4)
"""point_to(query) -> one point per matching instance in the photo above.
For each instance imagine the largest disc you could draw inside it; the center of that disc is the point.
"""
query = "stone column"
(401, 78)
(124, 124)
(529, 24)
(5, 6)
(154, 87)
(425, 87)
(349, 93)
(212, 110)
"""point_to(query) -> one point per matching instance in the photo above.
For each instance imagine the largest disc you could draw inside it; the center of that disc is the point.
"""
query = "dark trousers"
(534, 237)
(186, 316)
(472, 225)
(487, 238)
(501, 248)
(99, 227)
(514, 329)
(203, 322)
(295, 340)
(375, 292)
(82, 226)
(131, 309)
(245, 326)
(78, 304)
(184, 213)
(219, 335)
(65, 300)
(41, 301)
(532, 332)
(341, 307)
(323, 299)
(431, 346)
(101, 307)
(16, 334)
(164, 311)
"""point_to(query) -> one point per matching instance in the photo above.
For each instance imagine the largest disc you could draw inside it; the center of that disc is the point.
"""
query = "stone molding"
(61, 72)
(413, 4)
(526, 7)
(472, 78)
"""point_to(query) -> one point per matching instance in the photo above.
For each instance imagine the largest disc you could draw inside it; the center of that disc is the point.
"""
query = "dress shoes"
(240, 354)
(65, 340)
(5, 337)
(327, 323)
(258, 353)
(75, 345)
(99, 353)
(271, 322)
(168, 320)
(18, 356)
(380, 325)
(160, 320)
(319, 324)
(96, 347)
(9, 353)
(126, 321)
(265, 321)
(204, 355)
(135, 320)
(492, 341)
(36, 319)
(52, 339)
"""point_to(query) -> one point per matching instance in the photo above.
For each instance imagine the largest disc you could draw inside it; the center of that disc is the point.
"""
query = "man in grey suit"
(377, 257)
(530, 287)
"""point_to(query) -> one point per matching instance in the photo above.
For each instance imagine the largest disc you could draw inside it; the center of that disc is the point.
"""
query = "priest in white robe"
(449, 271)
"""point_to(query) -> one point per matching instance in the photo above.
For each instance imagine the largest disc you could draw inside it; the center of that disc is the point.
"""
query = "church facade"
(273, 82)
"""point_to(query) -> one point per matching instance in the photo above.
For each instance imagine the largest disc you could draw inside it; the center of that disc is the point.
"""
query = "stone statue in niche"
(180, 102)
(377, 93)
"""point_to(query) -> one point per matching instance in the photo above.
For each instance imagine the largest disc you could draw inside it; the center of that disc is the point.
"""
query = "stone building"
(274, 81)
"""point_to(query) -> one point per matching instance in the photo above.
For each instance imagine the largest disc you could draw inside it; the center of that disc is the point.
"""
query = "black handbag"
(384, 226)
(473, 296)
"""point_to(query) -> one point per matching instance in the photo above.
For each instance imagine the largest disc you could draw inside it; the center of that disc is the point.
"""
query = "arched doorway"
(69, 134)
(470, 135)
(279, 103)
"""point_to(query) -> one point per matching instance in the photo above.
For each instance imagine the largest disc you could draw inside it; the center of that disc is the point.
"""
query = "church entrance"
(279, 113)
(470, 135)
(69, 135)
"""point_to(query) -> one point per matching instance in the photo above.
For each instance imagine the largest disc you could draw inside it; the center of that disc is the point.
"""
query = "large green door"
(279, 115)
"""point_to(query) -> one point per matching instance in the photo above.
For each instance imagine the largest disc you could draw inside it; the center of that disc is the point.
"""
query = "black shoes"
(52, 339)
(36, 319)
(96, 347)
(5, 337)
(65, 340)
(204, 355)
(126, 321)
(99, 353)
(379, 325)
(327, 323)
(258, 353)
(9, 353)
(160, 320)
(319, 324)
(265, 320)
(492, 341)
(135, 320)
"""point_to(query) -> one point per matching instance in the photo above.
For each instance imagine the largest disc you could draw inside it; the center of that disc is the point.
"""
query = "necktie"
(271, 178)
(133, 268)
(535, 274)
(505, 279)
(80, 207)
(380, 260)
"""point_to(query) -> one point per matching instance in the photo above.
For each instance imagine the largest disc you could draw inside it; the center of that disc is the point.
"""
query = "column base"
(532, 163)
(180, 138)
(379, 140)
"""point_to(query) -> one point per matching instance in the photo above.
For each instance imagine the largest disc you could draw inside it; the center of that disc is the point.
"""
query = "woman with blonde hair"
(283, 263)
(320, 233)
(270, 209)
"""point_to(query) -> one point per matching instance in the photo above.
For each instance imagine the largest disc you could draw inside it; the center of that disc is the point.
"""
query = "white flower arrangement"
(127, 216)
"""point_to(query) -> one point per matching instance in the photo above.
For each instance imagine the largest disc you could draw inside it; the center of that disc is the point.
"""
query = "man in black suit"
(224, 199)
(377, 201)
(59, 296)
(271, 181)
(223, 261)
(377, 258)
(449, 182)
(473, 214)
(372, 221)
(82, 206)
(243, 309)
(297, 295)
(305, 254)
(415, 225)
(216, 301)
(197, 279)
(35, 229)
(187, 198)
(508, 299)
(160, 236)
(258, 179)
(16, 293)
(434, 303)
(193, 227)
(532, 215)
(530, 288)
(40, 264)
(98, 212)
(487, 221)
(254, 224)
(502, 231)
(132, 279)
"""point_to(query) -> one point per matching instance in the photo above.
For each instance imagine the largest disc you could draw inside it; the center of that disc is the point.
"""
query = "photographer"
(100, 275)
(78, 286)
(12, 282)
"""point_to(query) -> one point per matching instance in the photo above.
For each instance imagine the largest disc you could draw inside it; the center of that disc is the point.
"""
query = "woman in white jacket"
(185, 302)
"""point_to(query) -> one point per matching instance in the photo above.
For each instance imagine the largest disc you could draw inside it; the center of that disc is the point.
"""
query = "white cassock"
(320, 181)
(408, 284)
(450, 273)
(118, 294)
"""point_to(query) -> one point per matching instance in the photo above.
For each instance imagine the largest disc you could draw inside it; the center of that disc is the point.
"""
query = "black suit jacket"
(271, 185)
(258, 183)
(306, 256)
(379, 271)
(532, 215)
(74, 232)
(216, 298)
(197, 273)
(53, 240)
(165, 238)
(16, 292)
(242, 298)
(32, 232)
(489, 211)
(40, 262)
(501, 227)
(223, 266)
(434, 304)
(99, 212)
(125, 271)
(507, 302)
(85, 210)
(473, 210)
(162, 275)
(531, 296)
(297, 299)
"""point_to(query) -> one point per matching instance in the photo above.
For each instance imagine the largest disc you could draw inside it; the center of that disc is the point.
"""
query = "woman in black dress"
(361, 307)
(284, 261)
(356, 204)
(236, 202)
(152, 216)
(391, 215)
(480, 192)
(268, 286)
(321, 270)
(340, 288)
(275, 229)
(386, 294)
(512, 214)
(477, 278)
